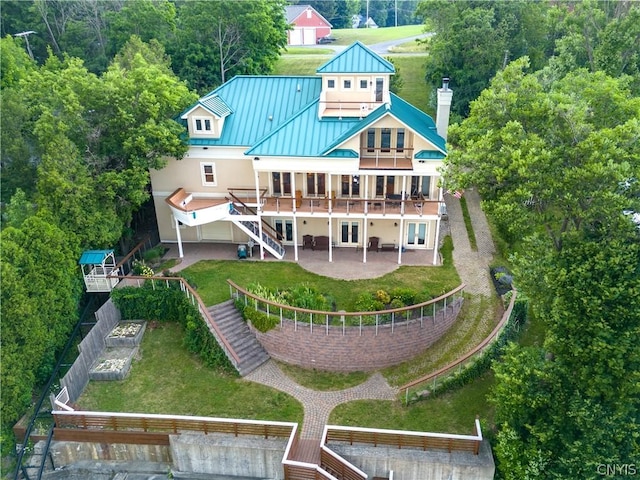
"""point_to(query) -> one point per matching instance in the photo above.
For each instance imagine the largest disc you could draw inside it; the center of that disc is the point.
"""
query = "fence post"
(360, 324)
(327, 324)
(393, 316)
(311, 323)
(295, 320)
(376, 324)
(281, 319)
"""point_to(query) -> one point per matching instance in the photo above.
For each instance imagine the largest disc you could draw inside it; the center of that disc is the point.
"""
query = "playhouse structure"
(99, 270)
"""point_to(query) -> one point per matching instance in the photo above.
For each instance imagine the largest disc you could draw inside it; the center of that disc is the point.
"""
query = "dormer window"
(203, 125)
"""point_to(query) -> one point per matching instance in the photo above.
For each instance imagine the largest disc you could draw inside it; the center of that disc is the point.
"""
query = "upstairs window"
(208, 172)
(346, 84)
(363, 84)
(331, 84)
(203, 125)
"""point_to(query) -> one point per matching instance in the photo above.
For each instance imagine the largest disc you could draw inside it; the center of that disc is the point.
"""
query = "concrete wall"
(236, 456)
(214, 454)
(417, 464)
(68, 453)
(354, 351)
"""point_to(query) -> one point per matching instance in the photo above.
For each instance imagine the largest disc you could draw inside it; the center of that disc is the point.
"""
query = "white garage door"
(309, 36)
(295, 37)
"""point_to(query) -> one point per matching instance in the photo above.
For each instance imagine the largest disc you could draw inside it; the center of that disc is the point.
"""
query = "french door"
(349, 233)
(417, 234)
(285, 230)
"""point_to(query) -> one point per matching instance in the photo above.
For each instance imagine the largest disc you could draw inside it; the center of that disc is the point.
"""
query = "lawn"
(411, 68)
(323, 381)
(168, 379)
(369, 36)
(453, 412)
(210, 278)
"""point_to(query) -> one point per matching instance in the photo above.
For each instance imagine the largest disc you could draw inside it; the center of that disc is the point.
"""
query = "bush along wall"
(169, 304)
(260, 320)
(483, 362)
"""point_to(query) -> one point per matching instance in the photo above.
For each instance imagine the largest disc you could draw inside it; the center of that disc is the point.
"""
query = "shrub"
(396, 303)
(153, 254)
(260, 320)
(383, 297)
(406, 295)
(141, 268)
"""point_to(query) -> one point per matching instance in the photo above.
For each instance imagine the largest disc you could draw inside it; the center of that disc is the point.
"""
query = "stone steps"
(237, 333)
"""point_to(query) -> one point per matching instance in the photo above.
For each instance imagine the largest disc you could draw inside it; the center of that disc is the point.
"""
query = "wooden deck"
(376, 206)
(306, 450)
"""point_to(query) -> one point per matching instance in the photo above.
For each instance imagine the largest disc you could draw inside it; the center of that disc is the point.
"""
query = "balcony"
(386, 158)
(393, 205)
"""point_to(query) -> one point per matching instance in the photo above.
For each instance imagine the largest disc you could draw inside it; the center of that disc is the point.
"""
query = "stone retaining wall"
(355, 350)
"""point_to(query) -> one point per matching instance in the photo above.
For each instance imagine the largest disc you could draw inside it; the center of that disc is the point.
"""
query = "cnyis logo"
(617, 469)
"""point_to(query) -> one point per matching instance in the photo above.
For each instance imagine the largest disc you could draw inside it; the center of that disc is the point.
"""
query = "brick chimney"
(444, 107)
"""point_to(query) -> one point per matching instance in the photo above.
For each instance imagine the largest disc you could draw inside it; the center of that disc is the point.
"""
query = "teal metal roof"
(304, 135)
(430, 155)
(94, 257)
(259, 106)
(342, 153)
(357, 59)
(215, 105)
(416, 120)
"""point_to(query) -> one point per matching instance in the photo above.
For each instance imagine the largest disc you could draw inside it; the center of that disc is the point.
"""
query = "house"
(308, 26)
(328, 161)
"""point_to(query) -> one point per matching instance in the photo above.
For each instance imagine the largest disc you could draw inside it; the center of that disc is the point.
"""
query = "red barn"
(308, 25)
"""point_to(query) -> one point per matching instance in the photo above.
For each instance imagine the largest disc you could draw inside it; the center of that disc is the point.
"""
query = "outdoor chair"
(307, 241)
(373, 244)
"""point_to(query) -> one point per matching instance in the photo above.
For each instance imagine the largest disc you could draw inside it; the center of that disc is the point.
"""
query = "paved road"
(385, 47)
(381, 48)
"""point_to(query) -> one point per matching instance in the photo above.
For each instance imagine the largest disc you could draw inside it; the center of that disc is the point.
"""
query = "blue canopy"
(94, 257)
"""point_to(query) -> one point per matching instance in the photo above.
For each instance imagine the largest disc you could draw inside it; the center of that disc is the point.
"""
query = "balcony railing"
(393, 204)
(386, 158)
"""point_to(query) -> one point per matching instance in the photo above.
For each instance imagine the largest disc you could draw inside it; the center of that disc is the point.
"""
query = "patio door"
(417, 234)
(349, 233)
(285, 230)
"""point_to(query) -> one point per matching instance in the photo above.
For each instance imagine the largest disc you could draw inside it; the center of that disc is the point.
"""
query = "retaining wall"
(357, 349)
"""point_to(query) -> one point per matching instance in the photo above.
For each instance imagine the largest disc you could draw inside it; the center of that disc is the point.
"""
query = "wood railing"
(404, 439)
(332, 462)
(323, 319)
(108, 427)
(475, 352)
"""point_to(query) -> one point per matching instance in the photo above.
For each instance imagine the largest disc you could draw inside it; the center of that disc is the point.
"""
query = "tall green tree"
(40, 293)
(557, 161)
(473, 40)
(217, 40)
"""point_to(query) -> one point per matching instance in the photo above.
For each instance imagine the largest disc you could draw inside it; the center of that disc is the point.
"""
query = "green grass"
(469, 226)
(168, 379)
(477, 319)
(453, 412)
(210, 278)
(368, 36)
(323, 381)
(415, 90)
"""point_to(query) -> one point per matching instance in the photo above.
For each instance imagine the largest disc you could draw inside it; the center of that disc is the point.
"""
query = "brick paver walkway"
(318, 405)
(473, 267)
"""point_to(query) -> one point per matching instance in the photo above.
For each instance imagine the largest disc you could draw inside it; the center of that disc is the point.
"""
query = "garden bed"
(113, 364)
(126, 334)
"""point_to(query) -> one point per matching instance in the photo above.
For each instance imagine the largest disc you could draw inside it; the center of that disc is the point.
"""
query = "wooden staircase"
(237, 333)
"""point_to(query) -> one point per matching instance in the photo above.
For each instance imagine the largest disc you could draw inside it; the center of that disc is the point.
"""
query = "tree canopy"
(557, 162)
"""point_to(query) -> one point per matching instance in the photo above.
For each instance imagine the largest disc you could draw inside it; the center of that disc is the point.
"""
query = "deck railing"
(463, 361)
(424, 312)
(348, 205)
(404, 439)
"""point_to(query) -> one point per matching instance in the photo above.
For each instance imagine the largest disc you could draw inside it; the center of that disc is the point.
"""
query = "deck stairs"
(252, 228)
(237, 333)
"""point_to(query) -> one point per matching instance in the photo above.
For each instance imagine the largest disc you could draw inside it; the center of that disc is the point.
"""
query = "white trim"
(203, 174)
(203, 125)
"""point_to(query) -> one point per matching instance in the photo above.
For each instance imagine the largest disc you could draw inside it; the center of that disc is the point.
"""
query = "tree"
(40, 293)
(236, 37)
(545, 152)
(474, 39)
(574, 404)
(557, 161)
